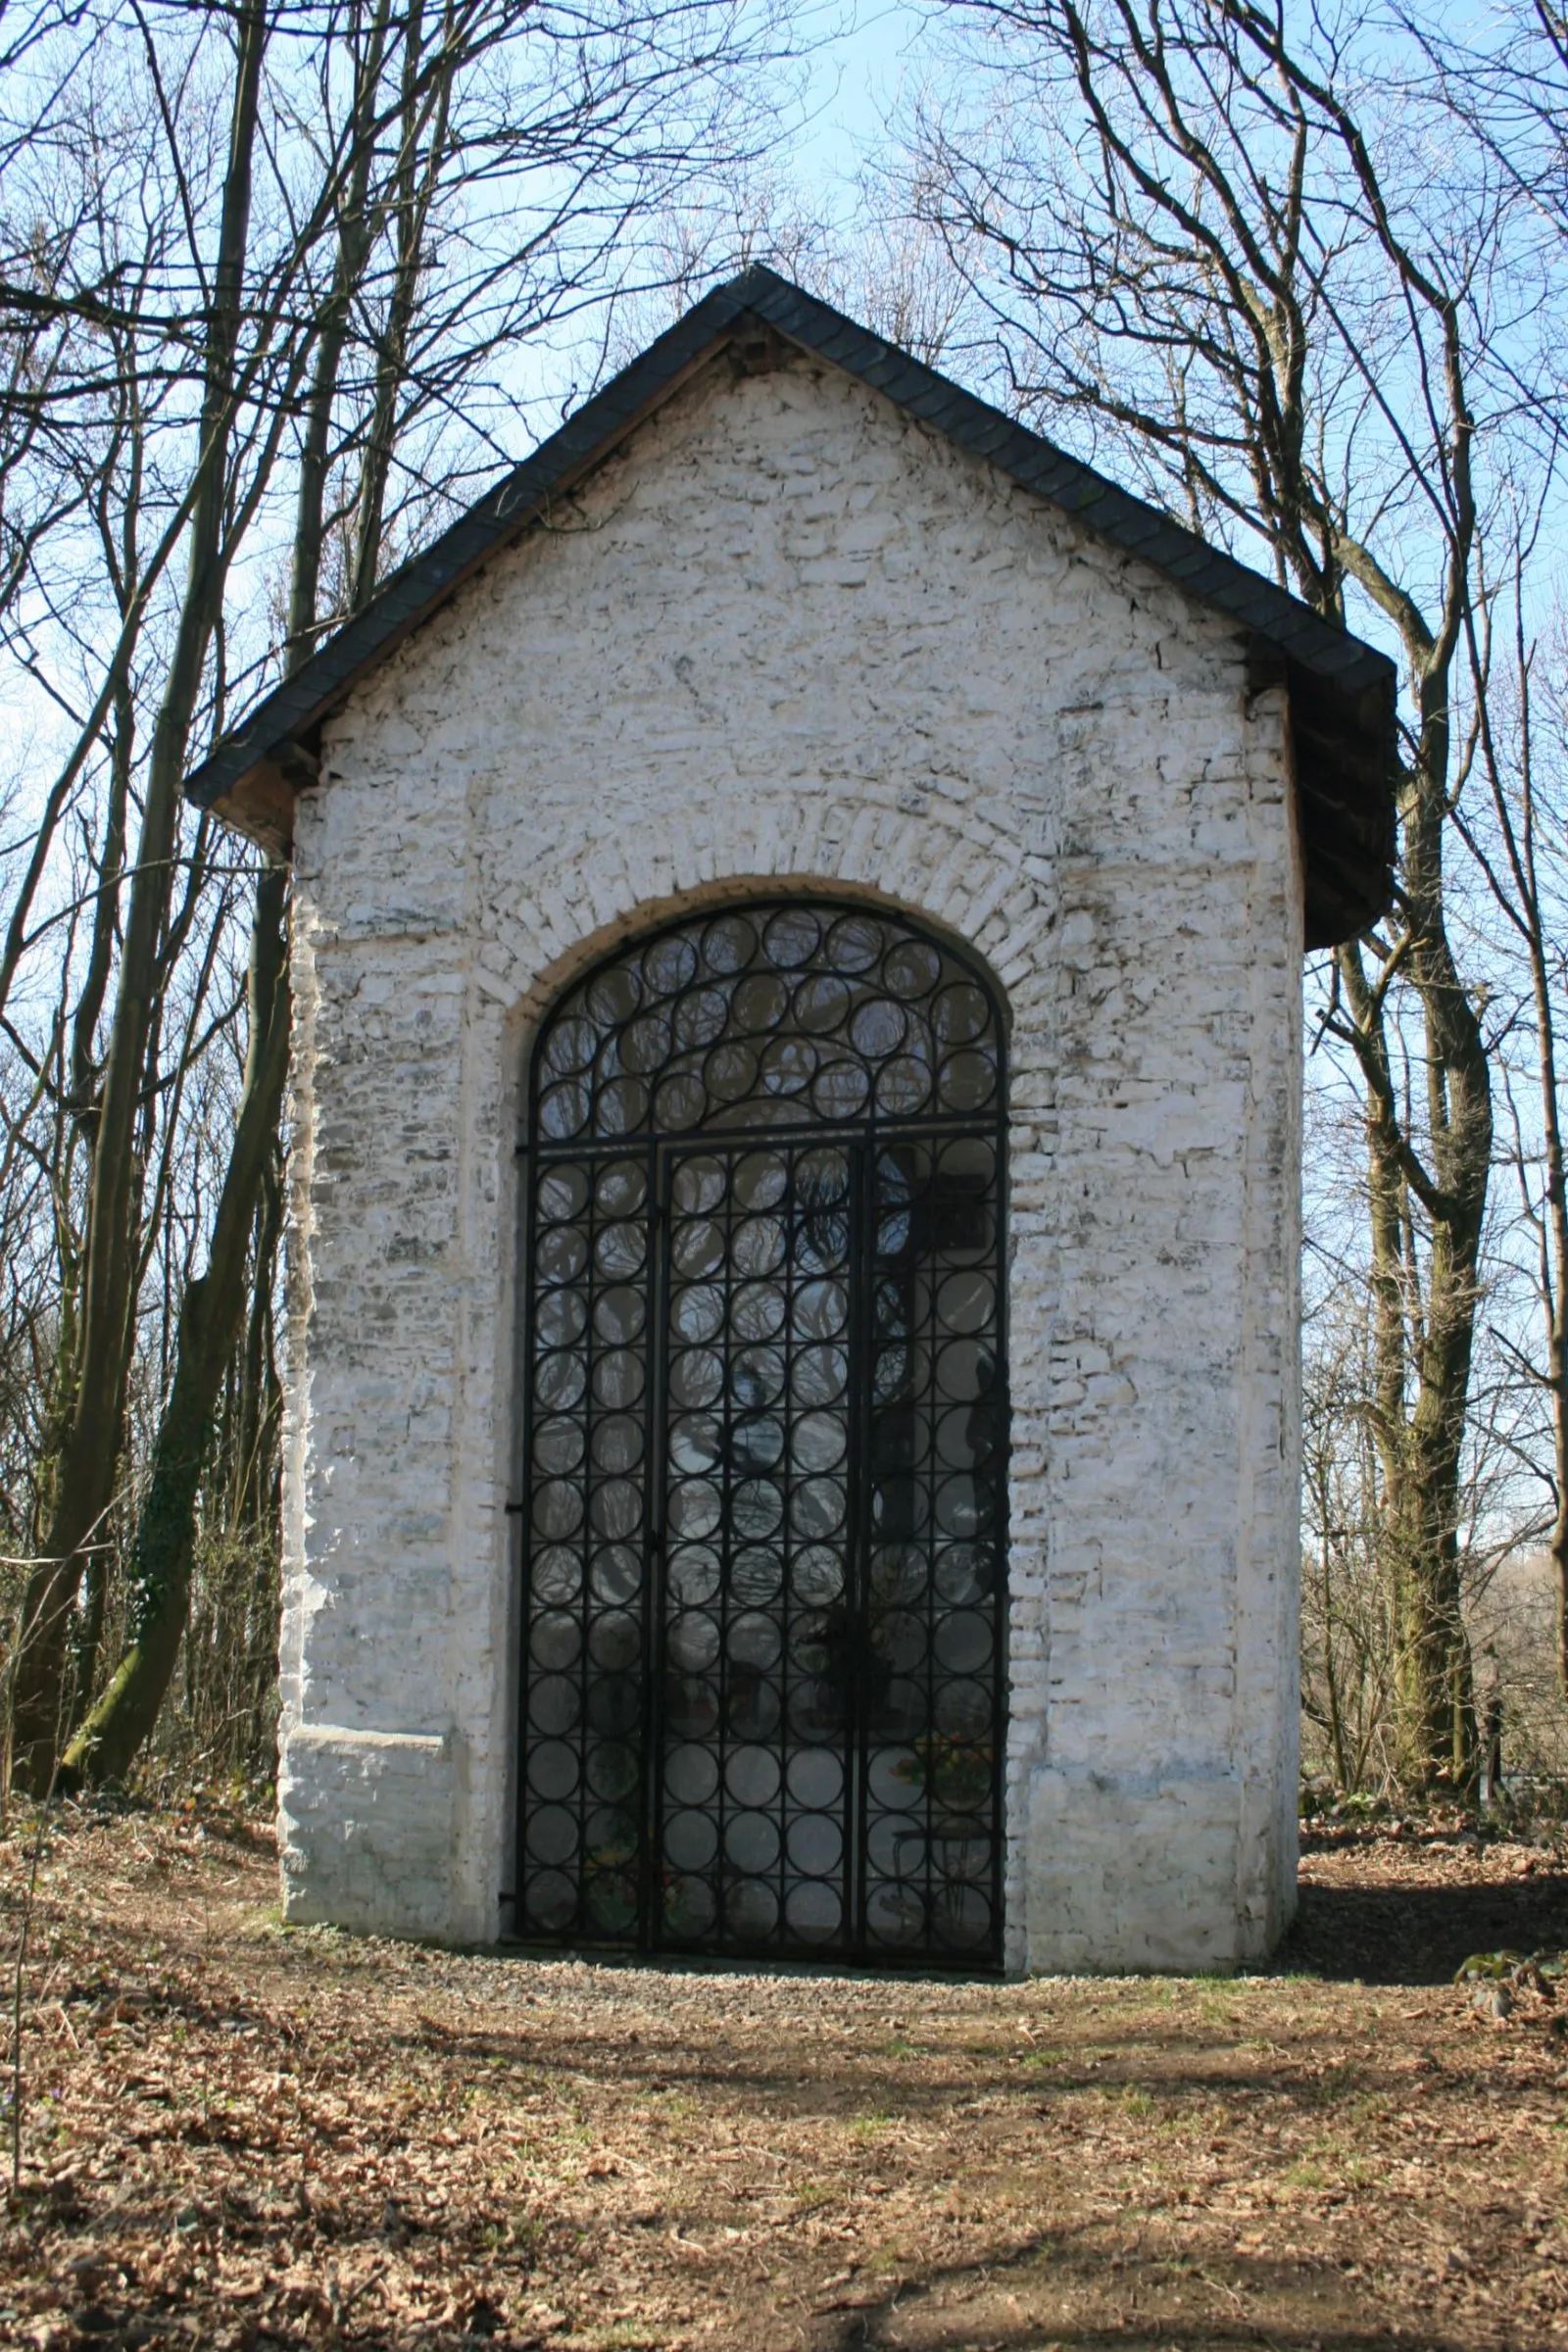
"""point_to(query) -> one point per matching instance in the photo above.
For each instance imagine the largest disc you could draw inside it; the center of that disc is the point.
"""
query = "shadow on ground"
(1064, 2283)
(1401, 1935)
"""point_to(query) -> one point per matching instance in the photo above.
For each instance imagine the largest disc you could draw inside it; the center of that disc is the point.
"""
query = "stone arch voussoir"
(587, 897)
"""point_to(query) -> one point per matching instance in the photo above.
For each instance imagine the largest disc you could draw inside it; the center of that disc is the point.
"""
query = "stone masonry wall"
(789, 635)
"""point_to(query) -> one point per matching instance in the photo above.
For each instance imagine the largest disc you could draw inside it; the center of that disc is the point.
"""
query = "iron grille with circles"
(765, 1446)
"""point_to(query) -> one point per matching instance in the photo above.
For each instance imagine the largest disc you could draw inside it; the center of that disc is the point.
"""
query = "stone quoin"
(782, 621)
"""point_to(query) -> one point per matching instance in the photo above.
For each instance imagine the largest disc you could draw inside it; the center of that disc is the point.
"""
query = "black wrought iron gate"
(765, 1440)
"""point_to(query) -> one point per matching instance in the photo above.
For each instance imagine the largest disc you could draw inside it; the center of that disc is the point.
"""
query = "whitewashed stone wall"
(787, 635)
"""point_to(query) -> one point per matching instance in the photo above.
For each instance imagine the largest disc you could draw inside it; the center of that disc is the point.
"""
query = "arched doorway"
(764, 1437)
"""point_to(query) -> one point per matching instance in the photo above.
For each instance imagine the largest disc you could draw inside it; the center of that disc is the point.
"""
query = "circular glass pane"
(821, 1375)
(621, 1189)
(697, 1247)
(618, 1315)
(700, 1019)
(613, 996)
(680, 1101)
(729, 944)
(751, 1911)
(691, 1839)
(550, 1834)
(696, 1574)
(699, 1186)
(617, 1443)
(960, 1013)
(902, 1087)
(558, 1507)
(757, 1247)
(751, 1841)
(753, 1775)
(816, 1777)
(757, 1575)
(691, 1906)
(644, 1045)
(841, 1090)
(613, 1768)
(620, 1249)
(691, 1774)
(670, 963)
(822, 1005)
(966, 1301)
(758, 1311)
(855, 943)
(695, 1377)
(564, 1111)
(697, 1311)
(878, 1028)
(820, 1310)
(790, 939)
(967, 1081)
(616, 1640)
(817, 1442)
(912, 968)
(816, 1509)
(758, 1377)
(572, 1046)
(555, 1576)
(560, 1318)
(562, 1254)
(562, 1192)
(555, 1640)
(757, 1508)
(558, 1446)
(695, 1508)
(550, 1901)
(761, 1180)
(616, 1575)
(622, 1107)
(787, 1065)
(761, 1003)
(618, 1378)
(553, 1771)
(729, 1073)
(612, 1898)
(614, 1507)
(816, 1576)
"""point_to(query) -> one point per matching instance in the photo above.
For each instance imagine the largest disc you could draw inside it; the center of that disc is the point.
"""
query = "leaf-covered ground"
(237, 2135)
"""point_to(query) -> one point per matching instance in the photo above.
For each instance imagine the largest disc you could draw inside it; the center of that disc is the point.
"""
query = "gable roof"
(1341, 692)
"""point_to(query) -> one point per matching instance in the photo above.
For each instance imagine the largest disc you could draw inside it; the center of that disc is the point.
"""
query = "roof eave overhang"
(1341, 692)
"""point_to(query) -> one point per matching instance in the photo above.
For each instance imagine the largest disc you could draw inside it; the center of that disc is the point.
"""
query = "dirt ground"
(238, 2135)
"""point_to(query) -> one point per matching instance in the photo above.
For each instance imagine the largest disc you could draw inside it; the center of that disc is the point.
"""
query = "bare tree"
(377, 209)
(1517, 838)
(1193, 242)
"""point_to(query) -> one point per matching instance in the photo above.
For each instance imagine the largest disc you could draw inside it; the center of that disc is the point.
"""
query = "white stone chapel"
(792, 1439)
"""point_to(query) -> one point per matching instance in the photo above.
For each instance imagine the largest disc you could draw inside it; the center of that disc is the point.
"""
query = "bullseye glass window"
(764, 1441)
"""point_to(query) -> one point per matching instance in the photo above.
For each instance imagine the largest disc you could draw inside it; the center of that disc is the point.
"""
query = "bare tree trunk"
(414, 192)
(1178, 229)
(213, 1310)
(91, 1451)
(576, 126)
(1556, 1303)
(1514, 878)
(258, 1402)
(210, 1312)
(355, 234)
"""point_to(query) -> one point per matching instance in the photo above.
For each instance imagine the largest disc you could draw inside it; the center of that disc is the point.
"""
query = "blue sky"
(854, 79)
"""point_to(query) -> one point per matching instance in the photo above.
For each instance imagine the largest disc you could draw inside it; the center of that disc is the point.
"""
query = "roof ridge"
(1350, 683)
